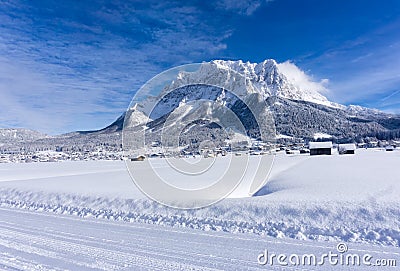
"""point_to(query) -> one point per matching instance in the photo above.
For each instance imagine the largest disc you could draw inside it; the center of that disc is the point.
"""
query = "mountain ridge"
(276, 87)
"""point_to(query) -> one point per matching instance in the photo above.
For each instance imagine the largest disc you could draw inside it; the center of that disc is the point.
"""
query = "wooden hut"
(320, 148)
(347, 148)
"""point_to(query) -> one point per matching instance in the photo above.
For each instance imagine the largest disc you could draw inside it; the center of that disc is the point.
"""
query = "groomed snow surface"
(90, 216)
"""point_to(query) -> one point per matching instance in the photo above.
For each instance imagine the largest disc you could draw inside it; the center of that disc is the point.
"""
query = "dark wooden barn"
(320, 148)
(347, 148)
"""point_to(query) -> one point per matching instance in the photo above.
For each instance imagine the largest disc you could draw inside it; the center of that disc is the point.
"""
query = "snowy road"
(44, 241)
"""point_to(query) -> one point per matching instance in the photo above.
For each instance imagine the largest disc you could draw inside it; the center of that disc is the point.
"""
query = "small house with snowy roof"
(320, 148)
(347, 148)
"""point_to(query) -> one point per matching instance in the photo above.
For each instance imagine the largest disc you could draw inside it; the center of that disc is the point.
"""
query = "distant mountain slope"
(19, 135)
(304, 119)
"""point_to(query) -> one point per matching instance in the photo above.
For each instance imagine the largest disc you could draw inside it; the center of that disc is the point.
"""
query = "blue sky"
(75, 65)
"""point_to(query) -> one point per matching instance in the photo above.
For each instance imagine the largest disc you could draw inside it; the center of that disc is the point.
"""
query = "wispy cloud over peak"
(303, 80)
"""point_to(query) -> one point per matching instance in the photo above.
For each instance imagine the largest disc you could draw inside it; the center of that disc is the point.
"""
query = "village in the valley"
(156, 150)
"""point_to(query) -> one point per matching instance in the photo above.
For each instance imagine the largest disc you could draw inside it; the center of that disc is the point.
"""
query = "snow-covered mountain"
(272, 79)
(296, 103)
(268, 79)
(19, 135)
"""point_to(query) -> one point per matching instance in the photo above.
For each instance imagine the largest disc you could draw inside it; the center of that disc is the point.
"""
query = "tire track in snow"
(41, 243)
(139, 248)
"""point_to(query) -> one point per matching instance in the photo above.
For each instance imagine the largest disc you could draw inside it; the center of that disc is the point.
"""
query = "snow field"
(339, 198)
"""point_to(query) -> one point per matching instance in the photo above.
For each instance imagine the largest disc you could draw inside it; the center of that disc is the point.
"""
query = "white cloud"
(242, 7)
(303, 80)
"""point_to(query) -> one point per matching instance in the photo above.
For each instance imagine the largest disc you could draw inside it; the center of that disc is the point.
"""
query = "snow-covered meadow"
(310, 201)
